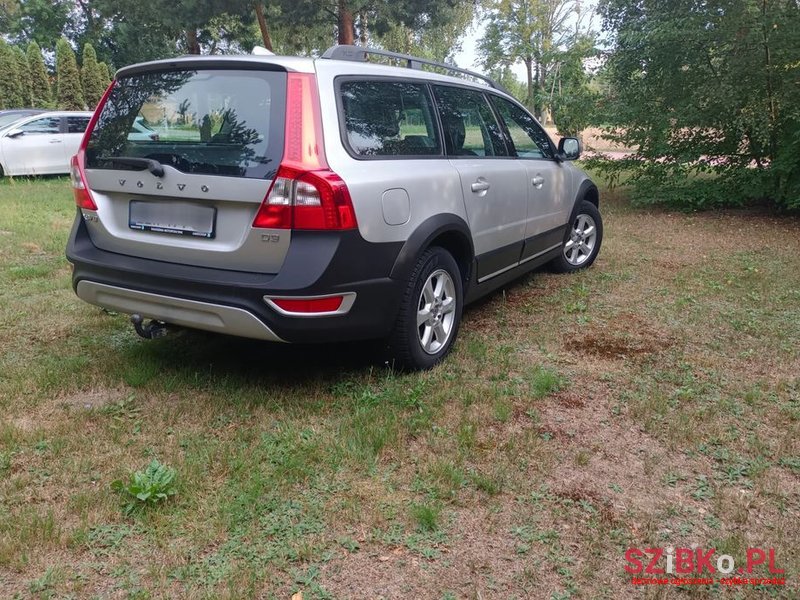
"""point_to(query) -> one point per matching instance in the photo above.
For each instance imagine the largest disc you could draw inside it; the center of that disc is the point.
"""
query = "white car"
(142, 132)
(42, 144)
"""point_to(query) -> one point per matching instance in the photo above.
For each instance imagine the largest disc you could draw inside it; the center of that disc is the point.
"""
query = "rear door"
(493, 183)
(219, 139)
(73, 128)
(38, 150)
(547, 183)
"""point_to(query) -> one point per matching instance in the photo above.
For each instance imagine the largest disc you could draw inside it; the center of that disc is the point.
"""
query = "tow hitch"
(149, 330)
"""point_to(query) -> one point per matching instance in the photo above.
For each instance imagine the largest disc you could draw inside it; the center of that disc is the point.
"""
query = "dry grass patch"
(652, 400)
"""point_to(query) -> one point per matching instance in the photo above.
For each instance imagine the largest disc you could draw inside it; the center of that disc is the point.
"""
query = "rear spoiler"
(190, 63)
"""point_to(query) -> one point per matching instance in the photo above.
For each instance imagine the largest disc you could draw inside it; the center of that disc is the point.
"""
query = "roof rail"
(361, 54)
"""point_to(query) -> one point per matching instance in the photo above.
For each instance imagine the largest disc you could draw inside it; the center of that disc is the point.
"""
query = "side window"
(389, 118)
(468, 122)
(528, 138)
(46, 125)
(77, 124)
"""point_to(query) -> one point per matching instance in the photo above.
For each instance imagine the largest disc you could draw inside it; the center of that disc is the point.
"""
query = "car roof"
(62, 113)
(27, 111)
(299, 64)
(68, 113)
(25, 119)
(378, 69)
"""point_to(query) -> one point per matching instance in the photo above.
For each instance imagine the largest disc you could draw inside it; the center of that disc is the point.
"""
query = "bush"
(708, 97)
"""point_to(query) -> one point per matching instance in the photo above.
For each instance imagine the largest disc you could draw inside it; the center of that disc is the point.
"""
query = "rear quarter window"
(77, 124)
(212, 121)
(388, 119)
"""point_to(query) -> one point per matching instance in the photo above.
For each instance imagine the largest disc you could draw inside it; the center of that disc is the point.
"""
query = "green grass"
(653, 399)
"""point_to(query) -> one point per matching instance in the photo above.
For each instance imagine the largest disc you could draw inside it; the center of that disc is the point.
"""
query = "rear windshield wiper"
(151, 165)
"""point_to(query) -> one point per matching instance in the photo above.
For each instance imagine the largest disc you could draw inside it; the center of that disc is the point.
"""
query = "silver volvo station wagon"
(309, 200)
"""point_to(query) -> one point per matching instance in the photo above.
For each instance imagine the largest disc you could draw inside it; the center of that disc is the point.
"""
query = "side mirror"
(569, 148)
(15, 133)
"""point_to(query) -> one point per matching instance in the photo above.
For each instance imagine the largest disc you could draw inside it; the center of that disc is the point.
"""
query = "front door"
(547, 179)
(37, 150)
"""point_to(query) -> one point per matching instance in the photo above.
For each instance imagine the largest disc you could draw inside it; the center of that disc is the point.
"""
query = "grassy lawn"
(651, 401)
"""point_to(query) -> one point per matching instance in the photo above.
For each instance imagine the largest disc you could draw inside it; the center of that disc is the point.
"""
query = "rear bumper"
(177, 311)
(232, 302)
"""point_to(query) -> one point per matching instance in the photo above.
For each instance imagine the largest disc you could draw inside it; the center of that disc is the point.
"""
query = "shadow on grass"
(199, 358)
(192, 357)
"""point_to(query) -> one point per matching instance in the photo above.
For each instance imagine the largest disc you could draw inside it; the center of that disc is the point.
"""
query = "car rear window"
(214, 122)
(389, 118)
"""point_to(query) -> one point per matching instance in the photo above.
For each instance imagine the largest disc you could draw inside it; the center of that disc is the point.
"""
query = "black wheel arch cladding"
(450, 232)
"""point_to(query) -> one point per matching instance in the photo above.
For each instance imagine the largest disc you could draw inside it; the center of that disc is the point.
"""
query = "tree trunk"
(542, 87)
(192, 45)
(262, 25)
(345, 22)
(529, 74)
(362, 27)
(771, 110)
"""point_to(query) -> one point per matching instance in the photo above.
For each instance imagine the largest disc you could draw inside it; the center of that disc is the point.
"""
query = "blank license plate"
(178, 218)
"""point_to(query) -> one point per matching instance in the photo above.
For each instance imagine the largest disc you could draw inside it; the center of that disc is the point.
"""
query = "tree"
(194, 15)
(93, 81)
(706, 89)
(262, 26)
(534, 32)
(571, 98)
(105, 73)
(11, 92)
(123, 32)
(22, 75)
(438, 40)
(69, 95)
(504, 76)
(42, 21)
(37, 73)
(360, 19)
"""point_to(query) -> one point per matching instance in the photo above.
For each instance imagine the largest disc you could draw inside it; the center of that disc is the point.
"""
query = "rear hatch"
(181, 158)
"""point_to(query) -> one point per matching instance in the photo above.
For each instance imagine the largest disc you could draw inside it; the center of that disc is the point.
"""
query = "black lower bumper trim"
(317, 263)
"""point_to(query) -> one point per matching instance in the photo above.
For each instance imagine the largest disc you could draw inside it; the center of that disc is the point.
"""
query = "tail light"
(83, 197)
(77, 171)
(306, 193)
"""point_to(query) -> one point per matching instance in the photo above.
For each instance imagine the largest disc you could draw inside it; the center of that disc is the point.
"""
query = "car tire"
(582, 241)
(430, 312)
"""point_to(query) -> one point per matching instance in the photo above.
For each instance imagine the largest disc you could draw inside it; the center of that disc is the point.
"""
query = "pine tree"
(105, 73)
(10, 86)
(39, 80)
(22, 73)
(91, 77)
(68, 80)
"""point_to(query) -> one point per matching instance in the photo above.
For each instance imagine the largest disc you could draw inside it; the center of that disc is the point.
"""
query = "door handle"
(55, 141)
(537, 181)
(480, 186)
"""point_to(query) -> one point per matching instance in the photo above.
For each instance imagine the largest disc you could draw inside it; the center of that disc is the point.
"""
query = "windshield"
(216, 122)
(6, 120)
